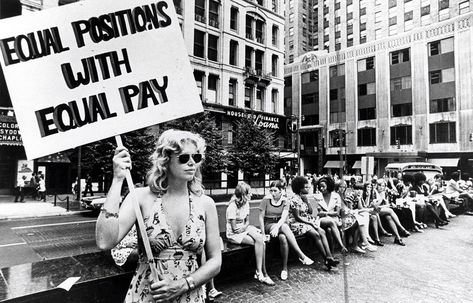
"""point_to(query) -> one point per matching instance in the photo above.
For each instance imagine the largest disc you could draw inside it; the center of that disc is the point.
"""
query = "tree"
(204, 125)
(253, 150)
(97, 156)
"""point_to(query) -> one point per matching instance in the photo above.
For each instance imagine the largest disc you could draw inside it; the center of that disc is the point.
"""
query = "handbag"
(348, 220)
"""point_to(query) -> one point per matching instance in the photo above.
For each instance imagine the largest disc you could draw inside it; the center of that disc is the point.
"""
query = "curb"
(27, 216)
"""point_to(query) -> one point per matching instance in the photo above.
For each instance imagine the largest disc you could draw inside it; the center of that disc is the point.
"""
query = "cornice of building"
(316, 59)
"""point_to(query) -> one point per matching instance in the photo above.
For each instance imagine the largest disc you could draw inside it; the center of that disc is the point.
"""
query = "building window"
(213, 48)
(401, 110)
(199, 44)
(248, 55)
(337, 138)
(249, 28)
(275, 33)
(349, 16)
(442, 76)
(441, 47)
(366, 64)
(233, 52)
(362, 26)
(401, 134)
(234, 19)
(425, 10)
(310, 98)
(213, 14)
(291, 3)
(308, 77)
(367, 113)
(442, 105)
(291, 58)
(443, 4)
(274, 101)
(334, 94)
(259, 98)
(401, 83)
(400, 56)
(248, 96)
(232, 86)
(212, 89)
(291, 17)
(362, 11)
(291, 31)
(337, 70)
(367, 137)
(291, 45)
(464, 7)
(199, 76)
(200, 10)
(443, 132)
(366, 89)
(392, 3)
(288, 81)
(274, 65)
(408, 16)
(393, 20)
(377, 17)
(259, 31)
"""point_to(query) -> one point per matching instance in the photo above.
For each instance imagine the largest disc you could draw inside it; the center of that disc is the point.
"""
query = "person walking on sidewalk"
(42, 189)
(20, 188)
(88, 186)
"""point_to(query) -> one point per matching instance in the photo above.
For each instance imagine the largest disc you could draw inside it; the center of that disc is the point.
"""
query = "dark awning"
(55, 158)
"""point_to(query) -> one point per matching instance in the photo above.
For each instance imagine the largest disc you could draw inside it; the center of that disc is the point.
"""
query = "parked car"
(93, 202)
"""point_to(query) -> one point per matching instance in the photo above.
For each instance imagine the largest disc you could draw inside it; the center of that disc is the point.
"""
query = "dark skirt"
(405, 216)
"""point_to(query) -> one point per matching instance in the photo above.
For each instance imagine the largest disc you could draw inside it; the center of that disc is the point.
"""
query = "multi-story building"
(237, 52)
(398, 88)
(236, 49)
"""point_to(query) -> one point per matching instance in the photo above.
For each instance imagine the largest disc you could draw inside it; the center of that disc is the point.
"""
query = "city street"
(36, 239)
(433, 267)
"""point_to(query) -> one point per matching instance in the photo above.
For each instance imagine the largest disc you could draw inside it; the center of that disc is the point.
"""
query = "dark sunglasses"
(184, 158)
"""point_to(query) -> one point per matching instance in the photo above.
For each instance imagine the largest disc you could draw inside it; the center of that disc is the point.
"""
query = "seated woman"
(400, 207)
(274, 211)
(436, 192)
(351, 199)
(328, 207)
(367, 202)
(382, 201)
(422, 192)
(301, 220)
(239, 230)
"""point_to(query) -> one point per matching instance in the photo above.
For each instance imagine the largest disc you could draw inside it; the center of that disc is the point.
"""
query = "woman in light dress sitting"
(239, 230)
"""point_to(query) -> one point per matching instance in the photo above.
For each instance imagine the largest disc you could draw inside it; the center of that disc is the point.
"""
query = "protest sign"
(94, 69)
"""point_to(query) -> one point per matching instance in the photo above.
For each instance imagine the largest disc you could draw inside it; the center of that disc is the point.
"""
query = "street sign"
(94, 69)
(367, 165)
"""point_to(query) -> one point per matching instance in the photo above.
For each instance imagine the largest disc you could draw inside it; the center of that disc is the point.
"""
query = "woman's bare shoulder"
(205, 202)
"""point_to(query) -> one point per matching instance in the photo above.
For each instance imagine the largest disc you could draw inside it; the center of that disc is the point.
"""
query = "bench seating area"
(103, 281)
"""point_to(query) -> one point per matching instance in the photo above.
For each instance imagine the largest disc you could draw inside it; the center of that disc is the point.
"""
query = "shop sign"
(264, 121)
(9, 131)
(94, 69)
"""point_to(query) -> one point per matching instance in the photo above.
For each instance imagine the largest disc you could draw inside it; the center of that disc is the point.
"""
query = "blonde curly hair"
(171, 142)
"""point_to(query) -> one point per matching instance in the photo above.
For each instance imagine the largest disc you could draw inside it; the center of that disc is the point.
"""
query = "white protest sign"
(94, 69)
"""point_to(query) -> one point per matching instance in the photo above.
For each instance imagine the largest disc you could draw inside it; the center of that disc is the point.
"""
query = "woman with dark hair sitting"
(301, 220)
(274, 210)
(385, 211)
(328, 206)
(422, 197)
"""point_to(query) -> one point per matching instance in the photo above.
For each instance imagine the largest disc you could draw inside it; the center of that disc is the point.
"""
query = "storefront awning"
(444, 162)
(54, 158)
(357, 165)
(334, 164)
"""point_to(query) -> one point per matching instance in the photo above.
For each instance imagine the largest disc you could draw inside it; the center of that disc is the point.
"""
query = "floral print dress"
(299, 228)
(174, 258)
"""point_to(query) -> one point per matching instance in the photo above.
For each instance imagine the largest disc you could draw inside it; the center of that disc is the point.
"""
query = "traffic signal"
(398, 144)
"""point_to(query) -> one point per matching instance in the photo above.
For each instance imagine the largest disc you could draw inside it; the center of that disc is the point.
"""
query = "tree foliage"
(204, 124)
(97, 156)
(253, 151)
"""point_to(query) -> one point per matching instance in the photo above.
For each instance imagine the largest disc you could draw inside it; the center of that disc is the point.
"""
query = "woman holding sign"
(180, 221)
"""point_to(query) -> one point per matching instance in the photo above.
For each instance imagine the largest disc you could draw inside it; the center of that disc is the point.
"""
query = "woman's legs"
(284, 248)
(392, 224)
(389, 212)
(374, 224)
(318, 242)
(380, 225)
(255, 238)
(291, 239)
(330, 223)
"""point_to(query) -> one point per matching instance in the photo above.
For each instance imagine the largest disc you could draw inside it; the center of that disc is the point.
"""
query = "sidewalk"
(31, 208)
